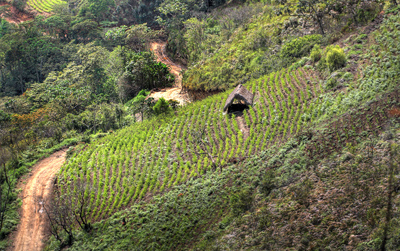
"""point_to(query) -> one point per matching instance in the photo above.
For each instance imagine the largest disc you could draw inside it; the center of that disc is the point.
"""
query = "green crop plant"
(148, 157)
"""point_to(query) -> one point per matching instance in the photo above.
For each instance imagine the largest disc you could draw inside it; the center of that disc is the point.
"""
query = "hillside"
(133, 93)
(156, 156)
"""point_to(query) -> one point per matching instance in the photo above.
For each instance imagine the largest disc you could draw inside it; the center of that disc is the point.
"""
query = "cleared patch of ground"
(12, 14)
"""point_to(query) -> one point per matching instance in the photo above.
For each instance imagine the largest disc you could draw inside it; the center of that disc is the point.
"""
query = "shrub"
(332, 81)
(335, 57)
(241, 202)
(301, 46)
(316, 53)
(173, 103)
(161, 106)
(267, 184)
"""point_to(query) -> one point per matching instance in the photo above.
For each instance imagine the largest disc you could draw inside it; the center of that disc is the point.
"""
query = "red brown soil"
(33, 228)
(175, 92)
(243, 127)
(13, 15)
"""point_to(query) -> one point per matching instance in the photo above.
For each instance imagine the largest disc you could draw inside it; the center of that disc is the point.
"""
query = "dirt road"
(175, 92)
(31, 232)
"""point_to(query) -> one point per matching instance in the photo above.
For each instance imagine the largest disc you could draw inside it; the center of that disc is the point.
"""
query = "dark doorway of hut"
(237, 109)
(238, 100)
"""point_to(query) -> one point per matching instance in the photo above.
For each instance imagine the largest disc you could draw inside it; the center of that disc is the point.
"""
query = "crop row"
(154, 155)
(44, 5)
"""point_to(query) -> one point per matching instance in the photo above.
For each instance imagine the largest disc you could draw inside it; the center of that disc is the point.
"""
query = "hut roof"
(240, 93)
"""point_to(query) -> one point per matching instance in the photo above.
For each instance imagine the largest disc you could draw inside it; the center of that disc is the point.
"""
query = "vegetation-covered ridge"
(159, 154)
(236, 44)
(194, 177)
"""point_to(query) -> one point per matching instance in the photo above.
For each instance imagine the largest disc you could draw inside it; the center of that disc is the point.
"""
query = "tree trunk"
(321, 27)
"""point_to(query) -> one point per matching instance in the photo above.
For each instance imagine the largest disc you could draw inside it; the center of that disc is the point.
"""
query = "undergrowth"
(164, 193)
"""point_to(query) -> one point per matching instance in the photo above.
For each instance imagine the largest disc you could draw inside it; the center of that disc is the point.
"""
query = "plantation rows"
(154, 155)
(44, 5)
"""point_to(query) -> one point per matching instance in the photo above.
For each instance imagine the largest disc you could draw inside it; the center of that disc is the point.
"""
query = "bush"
(268, 183)
(173, 103)
(335, 57)
(161, 106)
(301, 46)
(316, 53)
(333, 80)
(142, 71)
(241, 202)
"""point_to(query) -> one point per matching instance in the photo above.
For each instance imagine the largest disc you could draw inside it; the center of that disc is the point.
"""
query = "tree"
(82, 203)
(194, 37)
(86, 30)
(142, 71)
(19, 5)
(6, 189)
(61, 219)
(117, 35)
(99, 9)
(93, 60)
(141, 104)
(138, 37)
(4, 27)
(59, 24)
(161, 106)
(315, 10)
(67, 209)
(199, 139)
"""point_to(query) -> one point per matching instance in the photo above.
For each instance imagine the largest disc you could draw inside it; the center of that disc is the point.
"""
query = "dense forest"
(311, 164)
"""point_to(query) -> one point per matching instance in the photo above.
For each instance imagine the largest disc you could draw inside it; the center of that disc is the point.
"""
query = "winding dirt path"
(176, 92)
(32, 230)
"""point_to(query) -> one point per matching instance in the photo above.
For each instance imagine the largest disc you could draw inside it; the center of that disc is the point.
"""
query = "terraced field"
(44, 5)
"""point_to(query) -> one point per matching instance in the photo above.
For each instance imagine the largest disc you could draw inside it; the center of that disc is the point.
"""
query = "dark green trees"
(142, 71)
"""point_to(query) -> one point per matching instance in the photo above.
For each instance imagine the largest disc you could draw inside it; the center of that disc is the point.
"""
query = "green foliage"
(335, 57)
(316, 53)
(229, 54)
(32, 57)
(267, 183)
(139, 36)
(99, 9)
(301, 46)
(142, 71)
(241, 202)
(4, 27)
(4, 117)
(161, 106)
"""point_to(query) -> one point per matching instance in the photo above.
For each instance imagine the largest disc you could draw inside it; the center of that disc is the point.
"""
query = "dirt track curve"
(32, 229)
(175, 92)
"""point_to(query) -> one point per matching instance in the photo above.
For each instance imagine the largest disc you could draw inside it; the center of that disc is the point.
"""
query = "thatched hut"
(240, 93)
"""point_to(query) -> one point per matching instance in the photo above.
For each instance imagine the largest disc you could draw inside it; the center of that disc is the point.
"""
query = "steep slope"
(295, 114)
(282, 198)
(149, 157)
